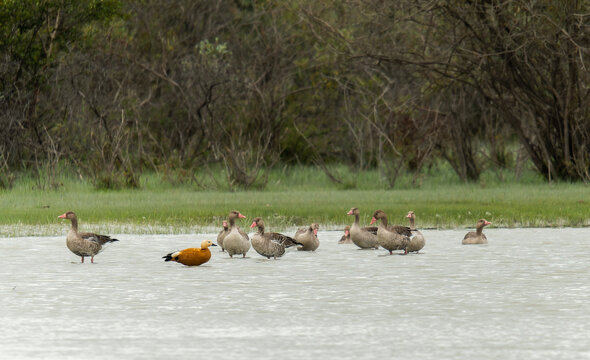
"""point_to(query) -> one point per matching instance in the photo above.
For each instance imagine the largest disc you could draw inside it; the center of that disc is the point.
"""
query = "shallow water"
(523, 296)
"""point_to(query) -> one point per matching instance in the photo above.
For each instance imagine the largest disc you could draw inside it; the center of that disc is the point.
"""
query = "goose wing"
(470, 234)
(244, 235)
(402, 230)
(371, 229)
(99, 239)
(283, 240)
(300, 232)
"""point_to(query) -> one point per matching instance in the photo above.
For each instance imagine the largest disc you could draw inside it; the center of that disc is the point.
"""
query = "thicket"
(179, 87)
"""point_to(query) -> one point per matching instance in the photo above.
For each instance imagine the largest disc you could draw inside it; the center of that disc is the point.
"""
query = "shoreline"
(49, 230)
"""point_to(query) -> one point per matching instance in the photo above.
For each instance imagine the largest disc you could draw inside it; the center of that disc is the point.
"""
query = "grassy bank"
(290, 200)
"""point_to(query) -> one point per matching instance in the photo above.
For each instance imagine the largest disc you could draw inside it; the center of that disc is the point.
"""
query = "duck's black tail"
(168, 257)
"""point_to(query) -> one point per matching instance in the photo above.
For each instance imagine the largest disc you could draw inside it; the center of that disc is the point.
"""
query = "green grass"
(292, 198)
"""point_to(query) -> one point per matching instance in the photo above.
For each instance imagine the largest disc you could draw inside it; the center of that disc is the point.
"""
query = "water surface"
(523, 296)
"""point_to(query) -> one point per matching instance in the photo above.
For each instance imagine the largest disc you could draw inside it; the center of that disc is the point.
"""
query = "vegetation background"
(456, 109)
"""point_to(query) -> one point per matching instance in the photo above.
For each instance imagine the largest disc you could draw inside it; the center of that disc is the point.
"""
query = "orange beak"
(241, 216)
(315, 232)
(487, 223)
(62, 216)
(349, 213)
(253, 224)
(373, 220)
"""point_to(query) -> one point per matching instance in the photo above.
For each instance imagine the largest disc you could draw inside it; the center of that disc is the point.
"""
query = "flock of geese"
(234, 241)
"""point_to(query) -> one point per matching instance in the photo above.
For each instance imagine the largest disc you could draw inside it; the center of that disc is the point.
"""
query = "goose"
(236, 241)
(270, 244)
(363, 237)
(222, 234)
(394, 237)
(308, 237)
(477, 236)
(192, 256)
(417, 241)
(83, 244)
(345, 239)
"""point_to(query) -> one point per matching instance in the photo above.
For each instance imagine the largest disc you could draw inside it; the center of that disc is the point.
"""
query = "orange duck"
(192, 256)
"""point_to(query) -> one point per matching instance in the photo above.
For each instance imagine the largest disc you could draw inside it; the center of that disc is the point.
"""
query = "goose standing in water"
(270, 244)
(192, 256)
(363, 237)
(477, 236)
(345, 239)
(417, 240)
(222, 234)
(236, 241)
(395, 237)
(83, 244)
(308, 238)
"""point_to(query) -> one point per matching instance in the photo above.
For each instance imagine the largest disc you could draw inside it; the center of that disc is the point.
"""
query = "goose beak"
(349, 213)
(315, 232)
(253, 224)
(241, 216)
(62, 216)
(487, 223)
(213, 244)
(409, 216)
(373, 220)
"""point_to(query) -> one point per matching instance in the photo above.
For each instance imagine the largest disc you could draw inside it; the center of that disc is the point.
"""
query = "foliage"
(182, 87)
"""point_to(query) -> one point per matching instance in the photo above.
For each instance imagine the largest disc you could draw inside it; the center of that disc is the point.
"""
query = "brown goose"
(236, 241)
(394, 237)
(345, 239)
(417, 241)
(83, 244)
(270, 244)
(363, 237)
(222, 234)
(477, 236)
(308, 237)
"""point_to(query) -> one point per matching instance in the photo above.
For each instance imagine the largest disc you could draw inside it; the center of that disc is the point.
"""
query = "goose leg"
(82, 259)
(390, 252)
(92, 259)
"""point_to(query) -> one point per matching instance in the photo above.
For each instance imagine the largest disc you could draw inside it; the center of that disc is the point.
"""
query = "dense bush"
(118, 87)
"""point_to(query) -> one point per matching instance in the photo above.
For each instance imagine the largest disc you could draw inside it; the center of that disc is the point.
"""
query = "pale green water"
(523, 296)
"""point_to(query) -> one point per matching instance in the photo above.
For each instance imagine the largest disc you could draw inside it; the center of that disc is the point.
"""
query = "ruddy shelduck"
(192, 256)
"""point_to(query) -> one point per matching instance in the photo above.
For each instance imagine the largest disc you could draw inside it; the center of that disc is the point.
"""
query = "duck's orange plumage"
(192, 256)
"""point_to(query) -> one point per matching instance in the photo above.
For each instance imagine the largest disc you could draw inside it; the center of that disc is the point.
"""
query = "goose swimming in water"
(477, 236)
